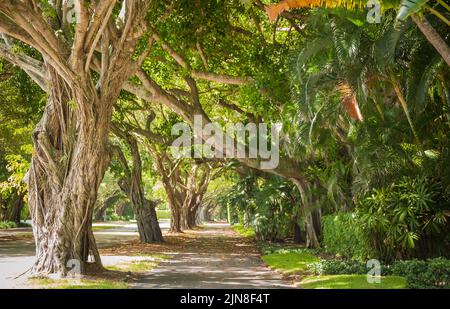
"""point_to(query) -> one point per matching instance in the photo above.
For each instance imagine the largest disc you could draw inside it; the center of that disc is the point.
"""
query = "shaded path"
(17, 249)
(213, 257)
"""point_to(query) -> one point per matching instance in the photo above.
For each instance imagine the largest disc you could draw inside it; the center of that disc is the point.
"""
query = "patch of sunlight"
(351, 282)
(47, 283)
(290, 262)
(244, 231)
(139, 266)
(102, 227)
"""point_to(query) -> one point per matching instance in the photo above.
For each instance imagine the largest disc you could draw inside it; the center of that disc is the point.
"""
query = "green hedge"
(424, 274)
(343, 267)
(419, 274)
(335, 267)
(342, 236)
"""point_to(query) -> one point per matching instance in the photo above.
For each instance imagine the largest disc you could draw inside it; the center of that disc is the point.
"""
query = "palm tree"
(408, 8)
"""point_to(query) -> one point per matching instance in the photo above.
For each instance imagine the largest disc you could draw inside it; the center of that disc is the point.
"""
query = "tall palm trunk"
(433, 37)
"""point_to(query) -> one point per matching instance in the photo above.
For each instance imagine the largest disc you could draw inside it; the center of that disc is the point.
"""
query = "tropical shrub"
(399, 218)
(424, 274)
(342, 236)
(337, 267)
(264, 204)
(273, 226)
(7, 225)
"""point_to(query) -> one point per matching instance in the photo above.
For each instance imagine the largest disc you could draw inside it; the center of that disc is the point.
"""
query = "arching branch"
(34, 68)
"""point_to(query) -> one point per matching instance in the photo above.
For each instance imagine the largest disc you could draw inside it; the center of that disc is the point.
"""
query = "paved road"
(17, 256)
(214, 257)
(217, 258)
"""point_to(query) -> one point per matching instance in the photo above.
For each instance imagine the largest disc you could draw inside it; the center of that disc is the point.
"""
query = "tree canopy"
(96, 88)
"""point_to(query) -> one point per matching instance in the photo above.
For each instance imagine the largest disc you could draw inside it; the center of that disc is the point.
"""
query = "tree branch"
(34, 68)
(97, 28)
(236, 108)
(213, 77)
(221, 78)
(80, 34)
(162, 96)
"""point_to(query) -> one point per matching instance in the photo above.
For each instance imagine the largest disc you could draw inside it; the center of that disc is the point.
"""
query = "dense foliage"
(424, 274)
(365, 109)
(343, 236)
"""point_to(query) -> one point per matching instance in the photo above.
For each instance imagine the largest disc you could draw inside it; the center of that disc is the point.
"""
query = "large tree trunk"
(175, 206)
(189, 220)
(100, 211)
(12, 208)
(145, 213)
(175, 217)
(120, 208)
(189, 210)
(131, 185)
(170, 176)
(312, 229)
(68, 164)
(433, 37)
(16, 209)
(298, 235)
(147, 221)
(194, 191)
(70, 143)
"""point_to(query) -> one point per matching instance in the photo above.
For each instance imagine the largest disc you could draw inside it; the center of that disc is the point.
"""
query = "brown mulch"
(188, 241)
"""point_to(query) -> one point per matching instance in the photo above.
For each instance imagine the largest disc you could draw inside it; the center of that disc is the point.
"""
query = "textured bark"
(433, 37)
(131, 184)
(120, 208)
(16, 209)
(312, 216)
(170, 177)
(67, 167)
(175, 217)
(12, 207)
(100, 211)
(147, 221)
(194, 190)
(71, 141)
(205, 212)
(298, 235)
(189, 212)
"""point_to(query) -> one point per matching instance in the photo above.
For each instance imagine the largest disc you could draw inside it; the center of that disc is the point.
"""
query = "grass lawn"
(115, 277)
(102, 227)
(290, 262)
(243, 231)
(139, 266)
(295, 261)
(351, 282)
(70, 284)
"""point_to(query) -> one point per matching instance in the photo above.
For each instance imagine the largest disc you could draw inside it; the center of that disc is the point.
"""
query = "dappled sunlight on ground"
(209, 257)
